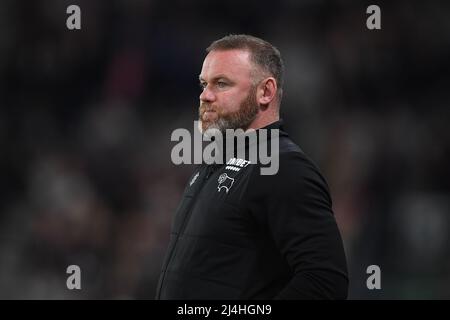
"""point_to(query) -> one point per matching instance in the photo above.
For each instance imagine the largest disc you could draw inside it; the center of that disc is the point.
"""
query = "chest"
(214, 205)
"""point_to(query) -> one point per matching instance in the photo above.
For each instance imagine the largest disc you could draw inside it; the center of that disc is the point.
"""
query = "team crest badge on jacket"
(225, 182)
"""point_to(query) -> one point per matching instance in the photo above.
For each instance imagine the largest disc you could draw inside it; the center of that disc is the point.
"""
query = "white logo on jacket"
(194, 178)
(224, 182)
(235, 164)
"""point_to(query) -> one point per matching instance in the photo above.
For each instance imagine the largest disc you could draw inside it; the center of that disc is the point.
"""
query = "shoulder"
(297, 173)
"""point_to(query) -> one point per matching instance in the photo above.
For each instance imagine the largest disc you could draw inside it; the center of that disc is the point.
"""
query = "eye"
(221, 84)
(202, 85)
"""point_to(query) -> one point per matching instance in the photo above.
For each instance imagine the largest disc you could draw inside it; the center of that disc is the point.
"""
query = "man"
(239, 234)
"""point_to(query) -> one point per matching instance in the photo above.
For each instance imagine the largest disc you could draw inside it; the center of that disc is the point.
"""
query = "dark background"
(86, 118)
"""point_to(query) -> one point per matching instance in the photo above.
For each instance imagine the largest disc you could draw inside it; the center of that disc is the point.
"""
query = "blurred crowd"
(86, 118)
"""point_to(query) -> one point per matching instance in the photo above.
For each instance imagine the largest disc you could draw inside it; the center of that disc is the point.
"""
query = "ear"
(266, 91)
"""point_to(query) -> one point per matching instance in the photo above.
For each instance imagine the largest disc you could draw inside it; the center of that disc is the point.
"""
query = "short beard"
(240, 119)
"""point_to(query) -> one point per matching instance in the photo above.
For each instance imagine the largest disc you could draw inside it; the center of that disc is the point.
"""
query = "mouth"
(208, 115)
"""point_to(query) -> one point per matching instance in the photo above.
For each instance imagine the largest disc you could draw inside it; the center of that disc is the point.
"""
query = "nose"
(207, 95)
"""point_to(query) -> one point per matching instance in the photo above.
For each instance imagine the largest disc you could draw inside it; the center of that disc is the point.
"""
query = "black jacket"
(244, 235)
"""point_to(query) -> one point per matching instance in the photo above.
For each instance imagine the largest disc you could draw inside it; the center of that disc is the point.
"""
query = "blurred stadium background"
(86, 118)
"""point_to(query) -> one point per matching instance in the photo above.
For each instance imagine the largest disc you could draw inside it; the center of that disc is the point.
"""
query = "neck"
(264, 118)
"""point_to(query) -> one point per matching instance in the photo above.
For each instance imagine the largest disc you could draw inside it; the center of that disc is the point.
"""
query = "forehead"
(231, 63)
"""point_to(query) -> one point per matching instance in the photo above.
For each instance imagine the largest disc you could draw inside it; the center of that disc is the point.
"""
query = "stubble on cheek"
(212, 116)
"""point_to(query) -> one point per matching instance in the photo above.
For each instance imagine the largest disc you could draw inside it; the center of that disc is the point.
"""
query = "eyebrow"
(220, 76)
